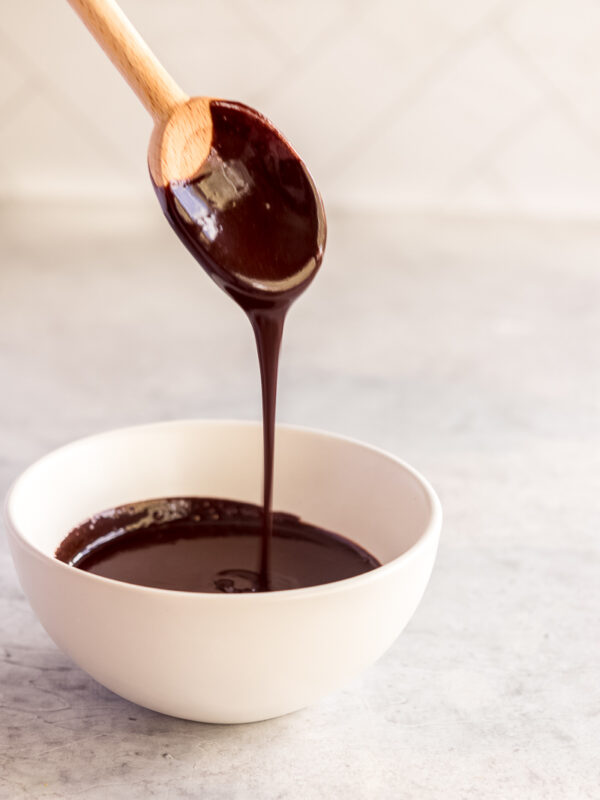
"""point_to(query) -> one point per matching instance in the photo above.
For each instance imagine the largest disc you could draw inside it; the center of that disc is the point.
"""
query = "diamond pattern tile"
(483, 105)
(551, 169)
(294, 27)
(442, 131)
(560, 40)
(57, 158)
(331, 100)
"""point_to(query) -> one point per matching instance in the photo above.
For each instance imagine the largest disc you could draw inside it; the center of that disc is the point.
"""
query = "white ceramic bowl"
(225, 658)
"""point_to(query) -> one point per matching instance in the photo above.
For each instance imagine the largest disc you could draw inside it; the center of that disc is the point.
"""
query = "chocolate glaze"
(208, 545)
(252, 215)
(253, 218)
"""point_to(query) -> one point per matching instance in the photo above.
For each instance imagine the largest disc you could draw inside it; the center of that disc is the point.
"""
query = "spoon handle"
(131, 56)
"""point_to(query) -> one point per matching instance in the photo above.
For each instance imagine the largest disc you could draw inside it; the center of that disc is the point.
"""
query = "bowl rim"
(429, 536)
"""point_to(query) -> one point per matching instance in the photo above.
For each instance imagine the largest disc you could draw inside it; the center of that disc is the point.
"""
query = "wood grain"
(180, 144)
(130, 54)
(182, 134)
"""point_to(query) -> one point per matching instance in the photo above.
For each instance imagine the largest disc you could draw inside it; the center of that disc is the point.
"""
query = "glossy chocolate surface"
(209, 545)
(252, 215)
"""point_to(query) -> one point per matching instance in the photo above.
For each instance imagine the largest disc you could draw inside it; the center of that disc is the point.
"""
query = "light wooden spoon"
(182, 132)
(218, 167)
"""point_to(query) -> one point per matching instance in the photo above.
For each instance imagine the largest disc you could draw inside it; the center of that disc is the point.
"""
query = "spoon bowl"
(239, 197)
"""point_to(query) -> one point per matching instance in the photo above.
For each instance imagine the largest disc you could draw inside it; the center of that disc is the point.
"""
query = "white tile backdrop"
(476, 105)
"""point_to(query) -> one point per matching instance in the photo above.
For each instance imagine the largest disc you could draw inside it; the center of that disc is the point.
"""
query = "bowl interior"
(350, 488)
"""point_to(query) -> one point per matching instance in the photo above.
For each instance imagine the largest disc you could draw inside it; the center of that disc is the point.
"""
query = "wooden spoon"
(232, 187)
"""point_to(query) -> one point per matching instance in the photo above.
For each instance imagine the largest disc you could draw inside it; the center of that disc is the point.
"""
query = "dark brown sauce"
(208, 545)
(252, 217)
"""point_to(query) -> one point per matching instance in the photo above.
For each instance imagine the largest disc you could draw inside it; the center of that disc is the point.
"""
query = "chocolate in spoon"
(232, 187)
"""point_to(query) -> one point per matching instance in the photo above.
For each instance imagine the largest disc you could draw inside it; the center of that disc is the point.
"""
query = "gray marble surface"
(472, 349)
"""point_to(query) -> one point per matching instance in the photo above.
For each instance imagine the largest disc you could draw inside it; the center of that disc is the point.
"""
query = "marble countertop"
(469, 348)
